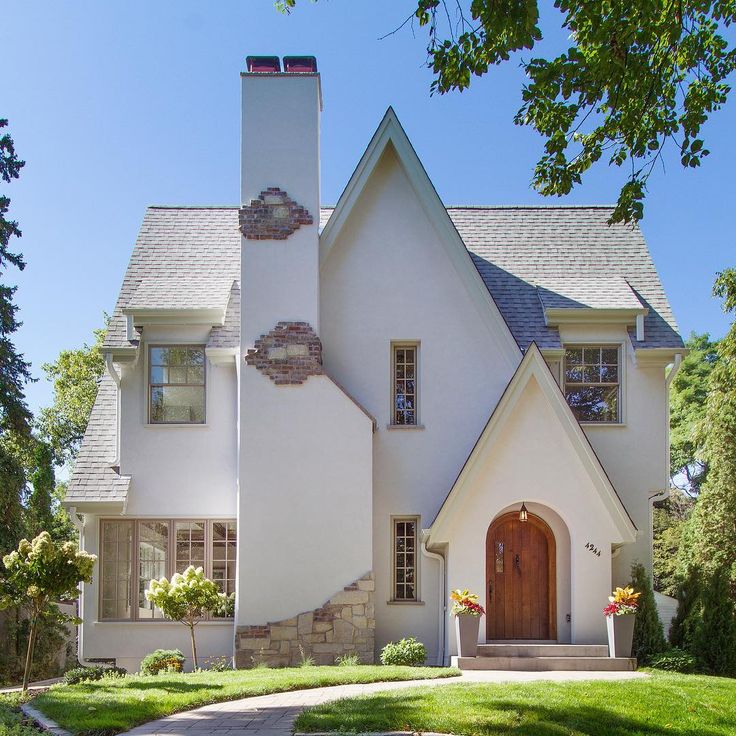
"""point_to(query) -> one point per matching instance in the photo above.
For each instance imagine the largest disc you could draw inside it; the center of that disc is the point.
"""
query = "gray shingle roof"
(181, 292)
(93, 479)
(525, 255)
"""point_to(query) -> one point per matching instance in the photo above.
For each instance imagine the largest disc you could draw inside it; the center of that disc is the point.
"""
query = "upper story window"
(176, 384)
(593, 382)
(406, 390)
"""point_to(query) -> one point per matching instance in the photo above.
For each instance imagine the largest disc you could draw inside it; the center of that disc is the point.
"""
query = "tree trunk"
(29, 653)
(194, 646)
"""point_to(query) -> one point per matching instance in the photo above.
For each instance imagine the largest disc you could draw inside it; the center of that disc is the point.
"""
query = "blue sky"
(117, 105)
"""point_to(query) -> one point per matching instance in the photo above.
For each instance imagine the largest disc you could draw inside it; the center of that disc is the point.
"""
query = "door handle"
(490, 592)
(517, 562)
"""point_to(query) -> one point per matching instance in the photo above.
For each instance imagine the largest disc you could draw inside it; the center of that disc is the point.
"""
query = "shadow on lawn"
(170, 686)
(374, 713)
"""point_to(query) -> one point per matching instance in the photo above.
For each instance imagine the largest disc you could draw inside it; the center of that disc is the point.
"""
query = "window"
(405, 391)
(405, 559)
(593, 382)
(134, 552)
(176, 384)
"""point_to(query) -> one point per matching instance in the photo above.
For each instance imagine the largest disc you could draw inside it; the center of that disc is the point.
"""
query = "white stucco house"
(339, 411)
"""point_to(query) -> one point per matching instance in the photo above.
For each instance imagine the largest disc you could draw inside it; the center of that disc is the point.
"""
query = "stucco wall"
(389, 278)
(180, 470)
(305, 496)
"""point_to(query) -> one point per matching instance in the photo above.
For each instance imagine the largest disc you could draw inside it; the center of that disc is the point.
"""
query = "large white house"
(339, 411)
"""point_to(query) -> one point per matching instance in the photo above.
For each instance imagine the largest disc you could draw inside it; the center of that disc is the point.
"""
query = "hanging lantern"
(523, 513)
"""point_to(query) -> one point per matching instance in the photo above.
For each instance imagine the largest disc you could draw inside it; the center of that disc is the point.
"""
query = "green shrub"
(648, 632)
(408, 652)
(688, 613)
(89, 674)
(348, 660)
(675, 660)
(714, 638)
(166, 660)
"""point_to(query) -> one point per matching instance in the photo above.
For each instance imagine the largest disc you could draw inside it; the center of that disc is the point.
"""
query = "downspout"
(117, 378)
(79, 525)
(442, 604)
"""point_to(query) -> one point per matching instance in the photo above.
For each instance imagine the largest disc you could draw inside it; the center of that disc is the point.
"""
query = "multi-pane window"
(116, 569)
(405, 384)
(224, 548)
(134, 552)
(176, 384)
(153, 547)
(593, 382)
(405, 559)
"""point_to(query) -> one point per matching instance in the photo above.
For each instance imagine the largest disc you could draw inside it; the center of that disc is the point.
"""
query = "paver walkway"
(274, 715)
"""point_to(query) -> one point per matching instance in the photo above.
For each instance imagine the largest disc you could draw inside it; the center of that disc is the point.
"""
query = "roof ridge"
(529, 206)
(192, 206)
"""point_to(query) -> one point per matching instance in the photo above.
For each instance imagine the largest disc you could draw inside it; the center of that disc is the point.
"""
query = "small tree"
(39, 573)
(186, 598)
(714, 639)
(648, 632)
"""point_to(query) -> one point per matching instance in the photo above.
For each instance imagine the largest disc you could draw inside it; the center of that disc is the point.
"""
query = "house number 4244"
(593, 548)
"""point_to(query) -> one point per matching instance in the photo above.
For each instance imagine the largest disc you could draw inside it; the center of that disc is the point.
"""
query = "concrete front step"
(542, 650)
(546, 664)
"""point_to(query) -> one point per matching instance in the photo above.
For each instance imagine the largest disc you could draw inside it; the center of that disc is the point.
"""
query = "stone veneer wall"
(344, 625)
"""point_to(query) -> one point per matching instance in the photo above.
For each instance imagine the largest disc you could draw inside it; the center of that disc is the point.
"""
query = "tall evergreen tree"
(14, 370)
(41, 498)
(688, 613)
(714, 635)
(648, 633)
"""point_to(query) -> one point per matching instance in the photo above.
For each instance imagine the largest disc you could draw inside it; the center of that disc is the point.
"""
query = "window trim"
(170, 562)
(397, 345)
(620, 345)
(417, 599)
(147, 382)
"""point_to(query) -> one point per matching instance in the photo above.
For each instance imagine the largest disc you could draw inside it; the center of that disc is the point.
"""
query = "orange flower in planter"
(465, 603)
(623, 601)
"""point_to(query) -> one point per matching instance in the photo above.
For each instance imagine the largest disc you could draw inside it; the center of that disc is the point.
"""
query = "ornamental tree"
(626, 81)
(186, 598)
(40, 573)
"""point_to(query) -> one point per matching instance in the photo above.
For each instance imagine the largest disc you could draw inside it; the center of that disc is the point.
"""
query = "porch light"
(523, 514)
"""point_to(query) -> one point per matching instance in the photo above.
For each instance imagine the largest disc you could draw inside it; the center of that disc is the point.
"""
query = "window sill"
(404, 603)
(163, 425)
(405, 426)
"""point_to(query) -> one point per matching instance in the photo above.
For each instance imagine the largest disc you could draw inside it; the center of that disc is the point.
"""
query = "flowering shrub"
(622, 603)
(465, 603)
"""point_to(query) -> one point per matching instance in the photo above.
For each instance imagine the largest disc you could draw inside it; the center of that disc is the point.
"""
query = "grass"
(110, 706)
(663, 704)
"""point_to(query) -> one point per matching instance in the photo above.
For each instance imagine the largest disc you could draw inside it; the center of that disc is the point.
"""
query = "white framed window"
(176, 384)
(405, 586)
(135, 551)
(592, 375)
(405, 379)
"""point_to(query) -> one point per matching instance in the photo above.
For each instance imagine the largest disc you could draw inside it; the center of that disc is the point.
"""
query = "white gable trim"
(533, 365)
(390, 132)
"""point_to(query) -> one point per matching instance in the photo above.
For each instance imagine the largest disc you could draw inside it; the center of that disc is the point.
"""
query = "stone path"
(274, 715)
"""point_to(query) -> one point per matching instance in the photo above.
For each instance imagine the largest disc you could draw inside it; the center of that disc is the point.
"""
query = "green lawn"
(663, 704)
(110, 706)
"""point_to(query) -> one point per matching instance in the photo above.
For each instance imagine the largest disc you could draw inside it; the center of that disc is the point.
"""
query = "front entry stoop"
(545, 657)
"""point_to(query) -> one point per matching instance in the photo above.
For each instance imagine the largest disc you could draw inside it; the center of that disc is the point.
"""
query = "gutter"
(442, 615)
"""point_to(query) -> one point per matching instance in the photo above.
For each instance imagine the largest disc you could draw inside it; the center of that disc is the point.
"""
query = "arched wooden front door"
(520, 579)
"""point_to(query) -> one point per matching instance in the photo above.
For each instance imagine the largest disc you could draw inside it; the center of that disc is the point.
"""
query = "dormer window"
(176, 385)
(593, 382)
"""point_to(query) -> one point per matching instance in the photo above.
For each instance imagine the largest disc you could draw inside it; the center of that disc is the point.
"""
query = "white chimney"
(279, 216)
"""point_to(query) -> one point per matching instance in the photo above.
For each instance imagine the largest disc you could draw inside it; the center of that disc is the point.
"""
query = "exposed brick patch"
(343, 625)
(273, 216)
(289, 354)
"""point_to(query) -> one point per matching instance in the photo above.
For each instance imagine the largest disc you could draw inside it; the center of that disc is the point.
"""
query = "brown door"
(520, 579)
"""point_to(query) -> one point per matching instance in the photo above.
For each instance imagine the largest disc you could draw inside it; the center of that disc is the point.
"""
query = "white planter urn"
(620, 634)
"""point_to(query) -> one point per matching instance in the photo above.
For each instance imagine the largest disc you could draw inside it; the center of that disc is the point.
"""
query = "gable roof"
(93, 479)
(534, 366)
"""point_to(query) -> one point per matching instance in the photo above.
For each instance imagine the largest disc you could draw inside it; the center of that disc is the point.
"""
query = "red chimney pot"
(263, 64)
(300, 64)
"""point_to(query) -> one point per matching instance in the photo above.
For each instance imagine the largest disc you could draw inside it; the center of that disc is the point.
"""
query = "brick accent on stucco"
(343, 625)
(288, 354)
(273, 216)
